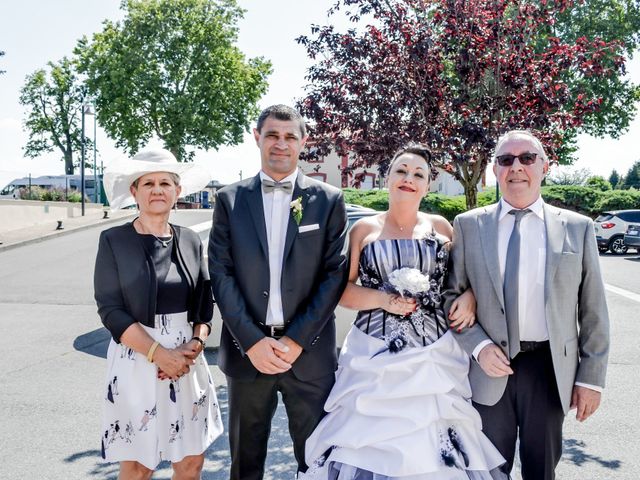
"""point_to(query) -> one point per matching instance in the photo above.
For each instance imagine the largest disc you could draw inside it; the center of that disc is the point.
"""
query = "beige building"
(330, 170)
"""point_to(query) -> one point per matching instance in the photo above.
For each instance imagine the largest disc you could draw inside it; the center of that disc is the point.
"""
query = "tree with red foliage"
(452, 74)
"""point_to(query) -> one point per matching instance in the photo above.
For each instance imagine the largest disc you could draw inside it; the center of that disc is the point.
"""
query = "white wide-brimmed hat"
(123, 172)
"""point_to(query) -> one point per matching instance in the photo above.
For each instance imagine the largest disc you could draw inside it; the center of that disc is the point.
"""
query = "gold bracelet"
(151, 351)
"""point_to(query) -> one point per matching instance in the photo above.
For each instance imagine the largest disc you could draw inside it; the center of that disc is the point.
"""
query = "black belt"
(274, 331)
(533, 346)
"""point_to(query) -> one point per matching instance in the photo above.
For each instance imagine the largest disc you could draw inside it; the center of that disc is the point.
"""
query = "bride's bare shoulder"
(440, 224)
(365, 228)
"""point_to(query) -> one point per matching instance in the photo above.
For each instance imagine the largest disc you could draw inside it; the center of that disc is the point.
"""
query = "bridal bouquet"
(409, 282)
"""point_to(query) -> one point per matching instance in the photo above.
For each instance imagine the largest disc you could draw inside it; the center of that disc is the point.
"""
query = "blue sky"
(33, 32)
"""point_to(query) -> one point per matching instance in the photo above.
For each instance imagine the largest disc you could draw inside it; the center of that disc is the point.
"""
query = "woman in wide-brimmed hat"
(154, 296)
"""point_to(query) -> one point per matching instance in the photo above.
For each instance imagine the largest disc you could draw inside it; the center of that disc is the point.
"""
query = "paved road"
(53, 350)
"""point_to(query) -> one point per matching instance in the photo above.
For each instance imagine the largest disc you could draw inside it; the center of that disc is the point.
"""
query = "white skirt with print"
(148, 420)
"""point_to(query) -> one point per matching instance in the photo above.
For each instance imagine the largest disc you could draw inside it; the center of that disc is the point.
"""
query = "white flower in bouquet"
(409, 280)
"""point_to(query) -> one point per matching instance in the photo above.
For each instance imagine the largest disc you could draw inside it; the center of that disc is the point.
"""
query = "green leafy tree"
(599, 183)
(632, 178)
(171, 69)
(54, 106)
(614, 178)
(454, 74)
(608, 21)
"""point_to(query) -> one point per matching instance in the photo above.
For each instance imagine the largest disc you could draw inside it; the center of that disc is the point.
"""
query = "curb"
(56, 233)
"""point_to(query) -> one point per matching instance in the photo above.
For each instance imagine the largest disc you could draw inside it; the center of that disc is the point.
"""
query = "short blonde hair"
(521, 133)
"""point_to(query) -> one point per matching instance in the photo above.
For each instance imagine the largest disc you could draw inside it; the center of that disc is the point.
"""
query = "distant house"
(330, 169)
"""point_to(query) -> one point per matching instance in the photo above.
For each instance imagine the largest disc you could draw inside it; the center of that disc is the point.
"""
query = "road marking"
(621, 291)
(201, 227)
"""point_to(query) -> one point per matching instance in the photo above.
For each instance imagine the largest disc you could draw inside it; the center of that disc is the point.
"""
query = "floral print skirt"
(149, 420)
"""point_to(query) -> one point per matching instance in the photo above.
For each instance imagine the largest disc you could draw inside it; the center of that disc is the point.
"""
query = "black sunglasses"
(507, 160)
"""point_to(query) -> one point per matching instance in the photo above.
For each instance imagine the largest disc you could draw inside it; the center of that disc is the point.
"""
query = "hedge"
(586, 200)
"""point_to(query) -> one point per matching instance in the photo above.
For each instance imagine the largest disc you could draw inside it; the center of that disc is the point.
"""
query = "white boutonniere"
(296, 209)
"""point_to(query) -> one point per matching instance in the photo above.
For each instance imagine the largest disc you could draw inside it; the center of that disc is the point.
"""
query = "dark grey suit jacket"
(314, 274)
(575, 303)
(125, 283)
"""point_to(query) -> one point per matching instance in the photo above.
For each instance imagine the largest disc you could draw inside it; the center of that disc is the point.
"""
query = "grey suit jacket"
(575, 304)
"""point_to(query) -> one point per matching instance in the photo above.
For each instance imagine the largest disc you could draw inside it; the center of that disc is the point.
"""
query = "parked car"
(356, 212)
(610, 229)
(352, 207)
(632, 237)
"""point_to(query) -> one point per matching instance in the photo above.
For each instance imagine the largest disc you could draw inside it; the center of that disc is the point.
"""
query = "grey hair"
(521, 133)
(174, 176)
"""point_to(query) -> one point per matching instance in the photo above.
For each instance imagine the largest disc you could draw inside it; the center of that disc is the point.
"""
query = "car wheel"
(617, 246)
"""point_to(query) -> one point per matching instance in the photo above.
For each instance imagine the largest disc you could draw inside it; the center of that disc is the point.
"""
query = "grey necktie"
(510, 287)
(269, 186)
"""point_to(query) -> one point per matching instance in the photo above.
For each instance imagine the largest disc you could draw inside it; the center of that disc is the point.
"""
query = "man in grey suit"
(541, 341)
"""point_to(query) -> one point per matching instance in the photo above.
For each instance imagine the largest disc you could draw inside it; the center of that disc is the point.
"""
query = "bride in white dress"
(400, 407)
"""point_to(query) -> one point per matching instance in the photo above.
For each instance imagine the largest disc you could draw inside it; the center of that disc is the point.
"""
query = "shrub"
(375, 198)
(589, 201)
(618, 200)
(443, 205)
(54, 195)
(75, 197)
(572, 197)
(599, 183)
(487, 197)
(436, 203)
(33, 193)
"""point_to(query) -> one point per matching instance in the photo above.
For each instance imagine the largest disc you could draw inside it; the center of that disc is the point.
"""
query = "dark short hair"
(281, 112)
(419, 150)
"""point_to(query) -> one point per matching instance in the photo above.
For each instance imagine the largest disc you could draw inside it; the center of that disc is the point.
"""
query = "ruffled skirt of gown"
(404, 415)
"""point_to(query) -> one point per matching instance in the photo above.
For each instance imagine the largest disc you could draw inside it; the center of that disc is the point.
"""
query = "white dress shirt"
(532, 319)
(277, 209)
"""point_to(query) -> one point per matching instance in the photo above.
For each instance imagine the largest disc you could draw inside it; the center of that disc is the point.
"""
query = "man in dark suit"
(278, 263)
(541, 342)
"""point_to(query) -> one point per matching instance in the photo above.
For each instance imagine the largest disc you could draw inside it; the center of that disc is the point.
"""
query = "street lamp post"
(87, 109)
(82, 141)
(96, 189)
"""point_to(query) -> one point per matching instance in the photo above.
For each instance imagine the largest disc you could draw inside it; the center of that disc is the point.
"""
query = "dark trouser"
(531, 405)
(251, 408)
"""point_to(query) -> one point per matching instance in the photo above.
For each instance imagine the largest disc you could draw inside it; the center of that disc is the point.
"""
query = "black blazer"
(314, 274)
(125, 283)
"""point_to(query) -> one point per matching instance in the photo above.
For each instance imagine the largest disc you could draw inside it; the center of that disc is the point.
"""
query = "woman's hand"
(191, 349)
(172, 363)
(397, 304)
(463, 311)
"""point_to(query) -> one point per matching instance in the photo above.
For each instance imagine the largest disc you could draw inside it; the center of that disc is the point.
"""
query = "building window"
(318, 176)
(368, 182)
